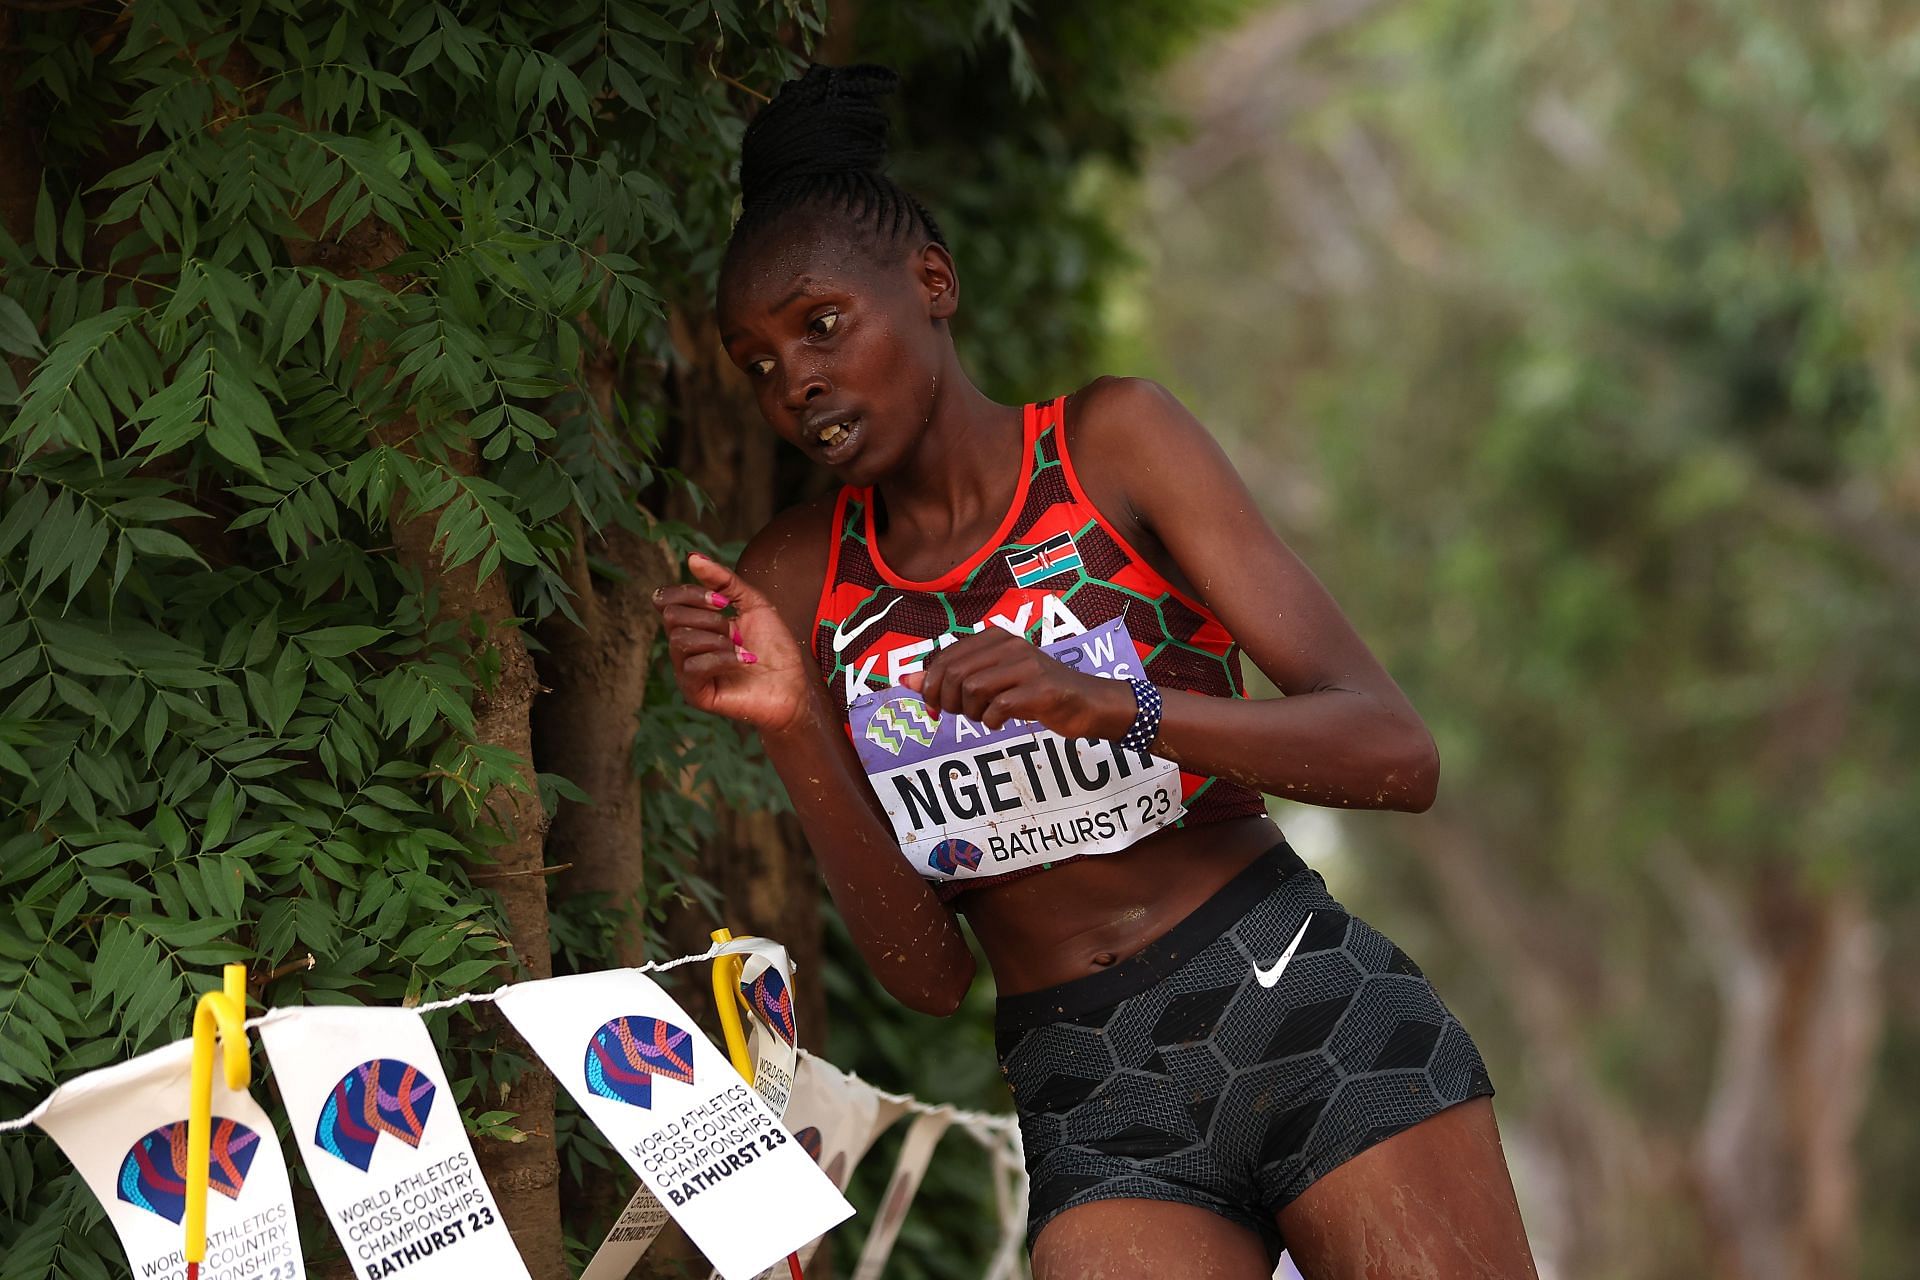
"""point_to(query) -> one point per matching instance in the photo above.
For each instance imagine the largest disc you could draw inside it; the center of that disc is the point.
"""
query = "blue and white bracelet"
(1146, 721)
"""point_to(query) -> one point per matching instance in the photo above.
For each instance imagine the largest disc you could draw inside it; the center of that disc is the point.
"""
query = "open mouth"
(838, 439)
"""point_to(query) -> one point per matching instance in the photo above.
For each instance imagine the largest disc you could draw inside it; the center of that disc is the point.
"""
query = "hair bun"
(831, 120)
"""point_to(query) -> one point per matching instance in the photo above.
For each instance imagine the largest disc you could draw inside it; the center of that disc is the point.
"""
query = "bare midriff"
(1085, 915)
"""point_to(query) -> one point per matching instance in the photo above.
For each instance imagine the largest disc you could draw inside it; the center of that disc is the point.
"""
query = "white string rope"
(432, 1006)
(27, 1119)
(973, 1120)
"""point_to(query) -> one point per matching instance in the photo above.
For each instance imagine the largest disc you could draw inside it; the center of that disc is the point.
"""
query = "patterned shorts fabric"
(1179, 1075)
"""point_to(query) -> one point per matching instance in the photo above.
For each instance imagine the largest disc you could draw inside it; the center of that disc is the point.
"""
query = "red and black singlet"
(1055, 570)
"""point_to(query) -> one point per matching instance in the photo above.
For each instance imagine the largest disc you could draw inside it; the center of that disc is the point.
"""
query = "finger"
(703, 617)
(724, 583)
(707, 666)
(979, 688)
(949, 670)
(1006, 706)
(686, 641)
(688, 595)
(933, 688)
(986, 640)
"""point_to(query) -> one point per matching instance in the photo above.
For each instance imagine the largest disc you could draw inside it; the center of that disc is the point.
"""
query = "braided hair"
(820, 145)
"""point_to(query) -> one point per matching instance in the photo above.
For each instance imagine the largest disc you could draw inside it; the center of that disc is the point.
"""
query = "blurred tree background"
(1574, 345)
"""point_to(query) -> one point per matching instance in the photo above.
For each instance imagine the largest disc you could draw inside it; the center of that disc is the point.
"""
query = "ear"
(940, 279)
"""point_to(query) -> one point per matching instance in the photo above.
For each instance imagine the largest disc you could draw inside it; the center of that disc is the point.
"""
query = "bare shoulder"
(1131, 437)
(1113, 411)
(787, 560)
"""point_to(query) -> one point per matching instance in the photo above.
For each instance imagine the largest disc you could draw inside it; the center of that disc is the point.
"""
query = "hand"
(746, 667)
(995, 676)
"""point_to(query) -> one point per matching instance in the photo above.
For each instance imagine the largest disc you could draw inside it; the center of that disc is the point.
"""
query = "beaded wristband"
(1146, 721)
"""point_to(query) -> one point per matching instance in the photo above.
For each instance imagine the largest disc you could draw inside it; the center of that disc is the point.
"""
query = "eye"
(759, 368)
(824, 323)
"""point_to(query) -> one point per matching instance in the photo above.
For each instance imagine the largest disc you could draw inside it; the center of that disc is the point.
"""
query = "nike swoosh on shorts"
(1270, 976)
(842, 637)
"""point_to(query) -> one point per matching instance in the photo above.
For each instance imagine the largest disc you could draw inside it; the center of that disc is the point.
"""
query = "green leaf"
(158, 542)
(46, 226)
(219, 817)
(17, 333)
(299, 318)
(337, 642)
(167, 826)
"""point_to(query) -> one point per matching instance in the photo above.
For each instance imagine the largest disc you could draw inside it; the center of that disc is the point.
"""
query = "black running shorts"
(1178, 1075)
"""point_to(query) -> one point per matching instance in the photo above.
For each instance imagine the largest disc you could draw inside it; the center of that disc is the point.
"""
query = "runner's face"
(842, 350)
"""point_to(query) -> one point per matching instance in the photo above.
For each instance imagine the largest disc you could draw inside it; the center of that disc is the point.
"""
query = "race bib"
(967, 801)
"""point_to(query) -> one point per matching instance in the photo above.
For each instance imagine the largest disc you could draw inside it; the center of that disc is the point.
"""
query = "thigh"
(1147, 1240)
(1434, 1200)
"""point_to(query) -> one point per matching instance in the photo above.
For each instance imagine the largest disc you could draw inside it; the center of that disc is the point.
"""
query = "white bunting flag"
(633, 1233)
(836, 1118)
(766, 989)
(766, 985)
(916, 1150)
(125, 1129)
(700, 1139)
(377, 1126)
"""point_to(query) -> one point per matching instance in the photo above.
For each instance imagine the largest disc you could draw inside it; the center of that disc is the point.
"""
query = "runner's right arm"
(750, 668)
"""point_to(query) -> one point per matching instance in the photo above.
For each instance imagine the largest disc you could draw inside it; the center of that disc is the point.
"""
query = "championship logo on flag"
(1035, 565)
(382, 1096)
(105, 1122)
(378, 1125)
(766, 989)
(950, 855)
(154, 1174)
(625, 1055)
(708, 1149)
(769, 997)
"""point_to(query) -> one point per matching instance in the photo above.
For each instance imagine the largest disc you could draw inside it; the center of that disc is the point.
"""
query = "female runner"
(998, 673)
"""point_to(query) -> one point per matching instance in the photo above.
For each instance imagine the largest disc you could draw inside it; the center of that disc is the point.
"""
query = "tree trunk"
(19, 160)
(596, 675)
(596, 672)
(1587, 1209)
(1801, 1009)
(1770, 1167)
(524, 1175)
(19, 167)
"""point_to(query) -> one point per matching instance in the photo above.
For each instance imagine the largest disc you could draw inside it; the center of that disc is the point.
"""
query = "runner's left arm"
(1344, 735)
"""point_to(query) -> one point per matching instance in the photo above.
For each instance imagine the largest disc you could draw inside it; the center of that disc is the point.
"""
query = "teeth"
(834, 434)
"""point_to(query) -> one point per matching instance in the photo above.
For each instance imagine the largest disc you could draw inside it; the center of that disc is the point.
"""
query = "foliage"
(300, 274)
(1594, 392)
(1024, 166)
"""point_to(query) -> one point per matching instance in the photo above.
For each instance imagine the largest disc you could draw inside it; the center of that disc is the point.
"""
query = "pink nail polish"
(734, 633)
(747, 658)
(717, 600)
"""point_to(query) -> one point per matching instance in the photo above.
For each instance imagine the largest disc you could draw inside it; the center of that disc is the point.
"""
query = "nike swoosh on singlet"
(1270, 976)
(842, 637)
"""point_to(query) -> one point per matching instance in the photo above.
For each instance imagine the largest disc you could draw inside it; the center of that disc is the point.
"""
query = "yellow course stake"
(726, 997)
(222, 1014)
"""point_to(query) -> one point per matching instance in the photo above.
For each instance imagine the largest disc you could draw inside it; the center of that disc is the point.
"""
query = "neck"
(959, 467)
